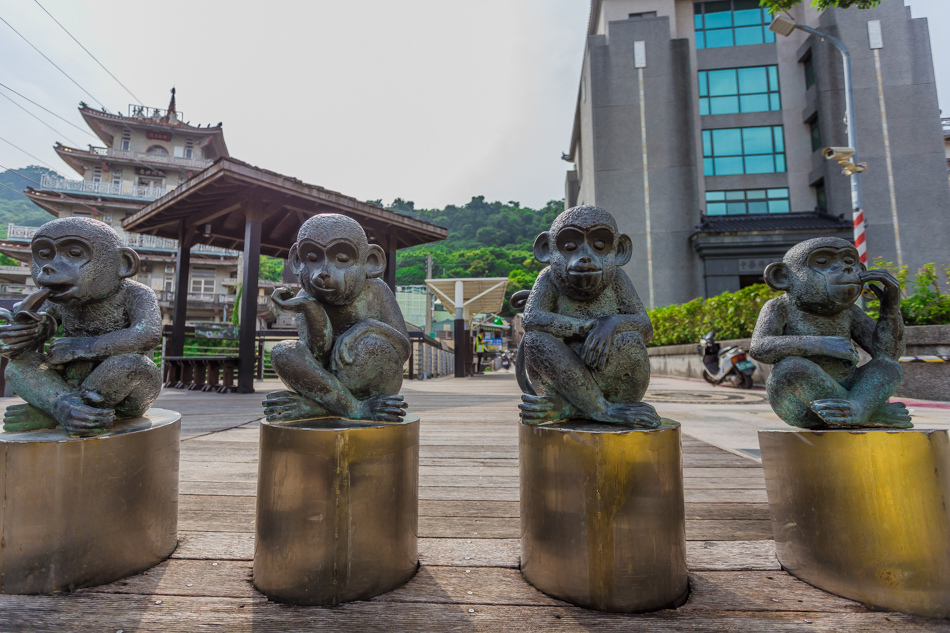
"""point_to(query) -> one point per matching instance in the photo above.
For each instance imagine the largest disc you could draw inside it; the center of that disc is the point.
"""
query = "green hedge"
(731, 314)
(925, 301)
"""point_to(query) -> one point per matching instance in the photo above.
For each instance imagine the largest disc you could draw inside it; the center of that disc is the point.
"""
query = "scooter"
(725, 366)
(505, 361)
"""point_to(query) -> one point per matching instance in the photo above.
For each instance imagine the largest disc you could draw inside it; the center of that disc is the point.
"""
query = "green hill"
(486, 239)
(16, 208)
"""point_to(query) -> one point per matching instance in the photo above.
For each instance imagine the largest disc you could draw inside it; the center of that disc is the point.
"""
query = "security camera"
(838, 153)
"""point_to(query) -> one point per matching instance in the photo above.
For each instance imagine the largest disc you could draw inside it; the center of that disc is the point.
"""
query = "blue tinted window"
(738, 90)
(731, 23)
(750, 150)
(747, 201)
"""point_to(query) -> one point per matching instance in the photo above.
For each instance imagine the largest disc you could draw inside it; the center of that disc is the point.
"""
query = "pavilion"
(234, 205)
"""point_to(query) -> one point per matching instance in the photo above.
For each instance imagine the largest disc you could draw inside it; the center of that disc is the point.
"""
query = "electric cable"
(26, 152)
(66, 121)
(3, 184)
(137, 100)
(37, 118)
(53, 63)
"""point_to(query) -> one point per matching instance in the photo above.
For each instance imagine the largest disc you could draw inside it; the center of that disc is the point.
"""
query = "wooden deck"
(468, 545)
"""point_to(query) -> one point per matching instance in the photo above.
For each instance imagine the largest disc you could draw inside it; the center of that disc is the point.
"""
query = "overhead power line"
(52, 62)
(66, 121)
(62, 196)
(36, 117)
(15, 191)
(20, 175)
(137, 100)
(26, 152)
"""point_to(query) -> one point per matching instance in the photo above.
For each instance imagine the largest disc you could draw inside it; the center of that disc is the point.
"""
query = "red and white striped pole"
(859, 240)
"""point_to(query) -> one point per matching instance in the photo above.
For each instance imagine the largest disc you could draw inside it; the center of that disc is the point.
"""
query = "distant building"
(729, 133)
(413, 302)
(146, 154)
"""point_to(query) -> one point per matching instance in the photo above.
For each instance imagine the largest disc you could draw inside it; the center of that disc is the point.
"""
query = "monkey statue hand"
(838, 347)
(70, 348)
(599, 342)
(889, 292)
(285, 299)
(23, 334)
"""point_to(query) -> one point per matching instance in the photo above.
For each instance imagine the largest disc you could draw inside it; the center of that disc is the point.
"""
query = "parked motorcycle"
(505, 361)
(727, 366)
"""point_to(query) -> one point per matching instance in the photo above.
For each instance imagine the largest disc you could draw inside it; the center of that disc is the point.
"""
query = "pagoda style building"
(145, 155)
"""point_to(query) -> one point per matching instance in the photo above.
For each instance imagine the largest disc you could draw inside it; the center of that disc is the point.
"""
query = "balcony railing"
(945, 122)
(179, 161)
(167, 298)
(105, 188)
(132, 240)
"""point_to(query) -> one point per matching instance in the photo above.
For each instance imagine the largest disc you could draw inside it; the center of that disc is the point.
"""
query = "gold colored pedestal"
(864, 514)
(337, 509)
(602, 515)
(79, 512)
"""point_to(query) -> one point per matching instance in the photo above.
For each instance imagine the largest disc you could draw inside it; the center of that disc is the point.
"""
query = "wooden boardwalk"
(468, 545)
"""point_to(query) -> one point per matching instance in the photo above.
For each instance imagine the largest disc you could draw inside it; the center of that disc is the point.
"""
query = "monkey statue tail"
(518, 301)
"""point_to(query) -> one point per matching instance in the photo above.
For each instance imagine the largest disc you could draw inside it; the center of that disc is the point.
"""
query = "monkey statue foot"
(538, 409)
(382, 409)
(841, 413)
(286, 406)
(891, 415)
(25, 417)
(639, 414)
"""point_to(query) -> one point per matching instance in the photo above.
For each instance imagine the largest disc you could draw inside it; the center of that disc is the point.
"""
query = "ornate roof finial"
(171, 104)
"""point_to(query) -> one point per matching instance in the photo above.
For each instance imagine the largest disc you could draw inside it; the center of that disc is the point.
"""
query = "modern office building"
(145, 154)
(700, 129)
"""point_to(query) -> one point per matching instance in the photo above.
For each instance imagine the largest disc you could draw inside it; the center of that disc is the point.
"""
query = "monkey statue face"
(821, 276)
(584, 249)
(80, 260)
(332, 259)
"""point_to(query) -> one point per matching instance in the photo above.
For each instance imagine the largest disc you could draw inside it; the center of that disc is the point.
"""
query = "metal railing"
(180, 161)
(428, 359)
(132, 240)
(104, 188)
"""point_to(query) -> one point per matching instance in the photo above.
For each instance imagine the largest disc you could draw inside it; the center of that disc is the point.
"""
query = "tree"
(784, 5)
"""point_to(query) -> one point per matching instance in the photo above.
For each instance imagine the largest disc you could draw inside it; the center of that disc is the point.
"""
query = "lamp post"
(848, 158)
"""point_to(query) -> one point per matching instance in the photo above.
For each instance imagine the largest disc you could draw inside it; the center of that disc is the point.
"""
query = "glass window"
(749, 150)
(731, 23)
(809, 72)
(820, 196)
(739, 90)
(747, 202)
(815, 132)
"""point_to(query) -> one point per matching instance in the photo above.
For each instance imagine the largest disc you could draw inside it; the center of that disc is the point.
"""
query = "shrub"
(731, 314)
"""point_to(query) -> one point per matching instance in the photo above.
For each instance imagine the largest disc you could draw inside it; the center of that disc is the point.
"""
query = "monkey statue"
(353, 340)
(808, 336)
(101, 369)
(584, 354)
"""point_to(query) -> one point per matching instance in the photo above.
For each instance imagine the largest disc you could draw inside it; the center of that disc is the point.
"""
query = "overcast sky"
(434, 101)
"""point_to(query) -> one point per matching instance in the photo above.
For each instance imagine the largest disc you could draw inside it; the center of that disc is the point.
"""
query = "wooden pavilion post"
(176, 346)
(253, 212)
(392, 243)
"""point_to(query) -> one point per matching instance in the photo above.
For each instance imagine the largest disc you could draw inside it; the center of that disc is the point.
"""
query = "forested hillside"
(486, 239)
(15, 208)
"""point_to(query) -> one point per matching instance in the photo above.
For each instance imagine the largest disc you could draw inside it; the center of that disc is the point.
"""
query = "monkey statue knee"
(84, 278)
(353, 339)
(574, 360)
(809, 334)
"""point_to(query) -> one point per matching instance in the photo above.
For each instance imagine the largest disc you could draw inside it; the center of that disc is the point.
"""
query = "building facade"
(145, 154)
(701, 130)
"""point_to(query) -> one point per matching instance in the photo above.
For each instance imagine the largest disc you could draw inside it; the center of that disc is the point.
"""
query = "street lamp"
(846, 157)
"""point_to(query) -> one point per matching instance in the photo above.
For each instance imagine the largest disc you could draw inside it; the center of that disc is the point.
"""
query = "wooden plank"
(185, 614)
(469, 508)
(728, 530)
(727, 511)
(238, 488)
(731, 556)
(471, 480)
(203, 521)
(469, 527)
(215, 546)
(469, 553)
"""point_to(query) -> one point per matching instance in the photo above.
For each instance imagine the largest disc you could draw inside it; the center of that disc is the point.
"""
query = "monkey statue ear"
(375, 261)
(776, 276)
(293, 258)
(624, 249)
(542, 248)
(128, 263)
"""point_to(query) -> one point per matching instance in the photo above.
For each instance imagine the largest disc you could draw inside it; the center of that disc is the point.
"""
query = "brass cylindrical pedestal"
(864, 514)
(79, 512)
(337, 509)
(602, 515)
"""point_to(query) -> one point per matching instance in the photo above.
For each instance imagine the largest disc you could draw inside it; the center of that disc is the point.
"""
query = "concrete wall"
(927, 381)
